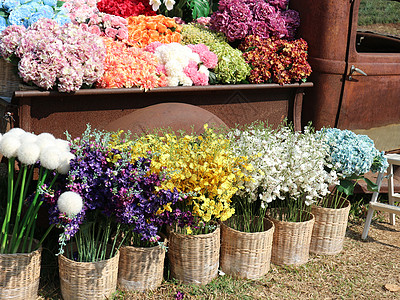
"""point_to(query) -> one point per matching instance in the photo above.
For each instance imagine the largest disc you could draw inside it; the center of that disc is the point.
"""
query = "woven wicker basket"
(329, 229)
(88, 280)
(9, 79)
(246, 255)
(291, 242)
(140, 268)
(194, 258)
(20, 275)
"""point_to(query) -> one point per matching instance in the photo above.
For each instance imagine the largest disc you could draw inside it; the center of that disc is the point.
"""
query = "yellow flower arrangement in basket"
(201, 166)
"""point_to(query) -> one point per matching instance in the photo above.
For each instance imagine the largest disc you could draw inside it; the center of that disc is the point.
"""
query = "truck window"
(378, 26)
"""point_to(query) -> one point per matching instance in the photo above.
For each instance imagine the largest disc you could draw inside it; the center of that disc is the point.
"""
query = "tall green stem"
(10, 192)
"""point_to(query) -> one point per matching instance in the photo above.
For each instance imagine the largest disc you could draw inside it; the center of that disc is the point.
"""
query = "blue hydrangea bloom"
(62, 19)
(9, 5)
(33, 6)
(19, 16)
(352, 154)
(3, 24)
(52, 3)
(42, 13)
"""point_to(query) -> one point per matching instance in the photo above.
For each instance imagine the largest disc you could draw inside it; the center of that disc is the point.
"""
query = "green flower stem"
(10, 192)
(20, 202)
(44, 236)
(30, 215)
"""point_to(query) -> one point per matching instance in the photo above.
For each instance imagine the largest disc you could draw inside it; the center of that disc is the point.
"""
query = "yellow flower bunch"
(202, 166)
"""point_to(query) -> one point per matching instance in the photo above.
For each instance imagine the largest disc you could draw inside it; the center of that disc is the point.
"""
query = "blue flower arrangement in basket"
(351, 155)
(27, 12)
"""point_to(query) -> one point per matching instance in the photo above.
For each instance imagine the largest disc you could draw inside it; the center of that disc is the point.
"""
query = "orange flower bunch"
(143, 30)
(128, 67)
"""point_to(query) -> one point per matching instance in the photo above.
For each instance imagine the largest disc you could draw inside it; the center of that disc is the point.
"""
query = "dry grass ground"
(361, 271)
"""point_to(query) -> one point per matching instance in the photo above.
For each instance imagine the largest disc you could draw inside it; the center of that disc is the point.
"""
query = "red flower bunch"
(126, 8)
(276, 60)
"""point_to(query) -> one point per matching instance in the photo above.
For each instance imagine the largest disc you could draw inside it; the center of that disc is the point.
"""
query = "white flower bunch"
(70, 203)
(155, 4)
(176, 57)
(286, 164)
(29, 148)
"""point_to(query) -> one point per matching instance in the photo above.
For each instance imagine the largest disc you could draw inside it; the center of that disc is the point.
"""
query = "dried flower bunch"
(231, 67)
(143, 30)
(276, 60)
(130, 67)
(238, 19)
(27, 12)
(184, 65)
(54, 57)
(86, 14)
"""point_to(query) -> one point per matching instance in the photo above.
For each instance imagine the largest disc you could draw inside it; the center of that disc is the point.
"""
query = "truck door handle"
(355, 69)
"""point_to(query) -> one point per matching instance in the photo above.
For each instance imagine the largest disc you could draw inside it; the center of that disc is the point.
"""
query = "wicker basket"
(194, 258)
(88, 280)
(140, 268)
(329, 229)
(291, 242)
(20, 275)
(246, 255)
(10, 81)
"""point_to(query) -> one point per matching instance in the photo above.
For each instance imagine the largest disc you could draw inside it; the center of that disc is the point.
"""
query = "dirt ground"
(390, 29)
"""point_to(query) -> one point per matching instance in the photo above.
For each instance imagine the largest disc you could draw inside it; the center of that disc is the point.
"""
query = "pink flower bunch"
(184, 65)
(86, 14)
(240, 18)
(53, 56)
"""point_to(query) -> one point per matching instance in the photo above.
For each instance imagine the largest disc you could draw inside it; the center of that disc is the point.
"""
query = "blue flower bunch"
(27, 12)
(352, 154)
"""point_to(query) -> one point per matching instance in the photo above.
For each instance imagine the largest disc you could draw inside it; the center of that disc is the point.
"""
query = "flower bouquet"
(28, 12)
(31, 159)
(53, 56)
(203, 168)
(351, 156)
(238, 19)
(300, 180)
(275, 60)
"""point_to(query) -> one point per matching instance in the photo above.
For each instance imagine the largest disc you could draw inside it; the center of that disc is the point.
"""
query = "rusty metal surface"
(233, 104)
(337, 100)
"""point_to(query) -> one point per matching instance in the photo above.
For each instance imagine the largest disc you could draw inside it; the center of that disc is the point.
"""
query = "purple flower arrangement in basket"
(104, 187)
(240, 18)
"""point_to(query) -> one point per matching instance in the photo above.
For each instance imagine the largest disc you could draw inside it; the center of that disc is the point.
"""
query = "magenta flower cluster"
(54, 57)
(240, 18)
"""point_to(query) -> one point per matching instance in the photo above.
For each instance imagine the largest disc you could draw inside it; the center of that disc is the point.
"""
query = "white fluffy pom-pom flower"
(28, 137)
(46, 140)
(50, 158)
(64, 166)
(70, 203)
(28, 153)
(15, 132)
(63, 145)
(9, 145)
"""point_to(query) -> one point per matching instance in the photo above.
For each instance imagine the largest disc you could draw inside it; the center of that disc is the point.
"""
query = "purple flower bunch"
(52, 56)
(240, 18)
(113, 187)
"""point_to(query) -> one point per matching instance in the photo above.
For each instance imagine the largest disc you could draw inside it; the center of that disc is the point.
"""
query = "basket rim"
(289, 223)
(321, 208)
(116, 256)
(272, 228)
(197, 236)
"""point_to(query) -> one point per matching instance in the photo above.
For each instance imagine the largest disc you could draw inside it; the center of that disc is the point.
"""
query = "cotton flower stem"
(10, 192)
